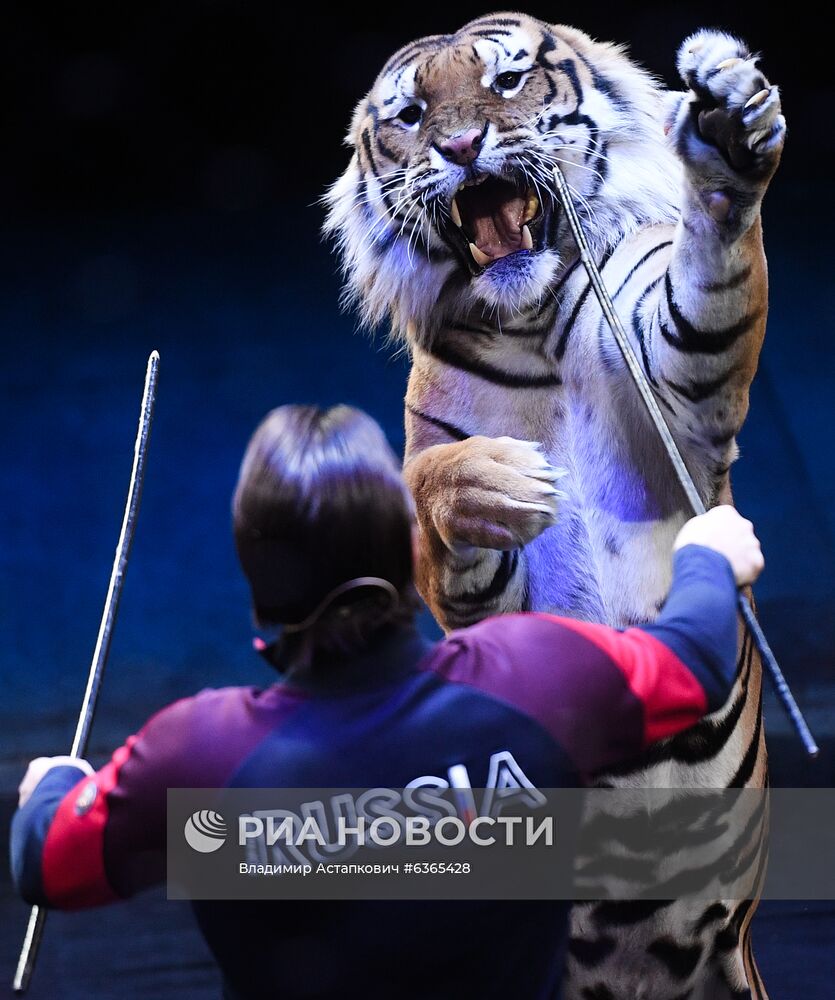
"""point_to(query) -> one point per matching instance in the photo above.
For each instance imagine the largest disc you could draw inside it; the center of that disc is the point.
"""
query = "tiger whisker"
(369, 197)
(598, 155)
(409, 251)
(380, 226)
(553, 159)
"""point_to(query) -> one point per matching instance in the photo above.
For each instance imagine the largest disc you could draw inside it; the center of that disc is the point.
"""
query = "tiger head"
(448, 204)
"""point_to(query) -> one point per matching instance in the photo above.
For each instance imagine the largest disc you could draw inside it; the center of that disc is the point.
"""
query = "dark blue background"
(159, 180)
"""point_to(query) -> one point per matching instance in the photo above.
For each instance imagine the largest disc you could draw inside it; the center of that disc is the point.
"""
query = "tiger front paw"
(490, 493)
(729, 125)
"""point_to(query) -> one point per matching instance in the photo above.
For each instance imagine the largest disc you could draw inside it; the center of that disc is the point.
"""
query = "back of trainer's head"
(321, 501)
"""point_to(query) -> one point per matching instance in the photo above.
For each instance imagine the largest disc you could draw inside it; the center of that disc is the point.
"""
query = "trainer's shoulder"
(498, 648)
(210, 708)
(200, 740)
(515, 635)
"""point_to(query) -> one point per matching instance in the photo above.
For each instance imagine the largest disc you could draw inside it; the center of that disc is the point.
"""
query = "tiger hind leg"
(734, 962)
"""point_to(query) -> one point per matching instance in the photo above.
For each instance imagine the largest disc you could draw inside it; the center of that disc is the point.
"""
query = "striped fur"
(538, 479)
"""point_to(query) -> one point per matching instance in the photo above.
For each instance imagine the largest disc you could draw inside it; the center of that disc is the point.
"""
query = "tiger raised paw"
(728, 129)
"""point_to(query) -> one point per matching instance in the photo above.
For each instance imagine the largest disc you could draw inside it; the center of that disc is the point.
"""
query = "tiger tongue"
(497, 229)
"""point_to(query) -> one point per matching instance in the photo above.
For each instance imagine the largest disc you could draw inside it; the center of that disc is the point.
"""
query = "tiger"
(539, 482)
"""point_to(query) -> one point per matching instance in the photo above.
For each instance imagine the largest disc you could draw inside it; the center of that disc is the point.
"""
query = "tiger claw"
(757, 99)
(727, 63)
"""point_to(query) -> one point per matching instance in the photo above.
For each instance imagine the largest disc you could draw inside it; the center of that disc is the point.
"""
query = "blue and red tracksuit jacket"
(565, 698)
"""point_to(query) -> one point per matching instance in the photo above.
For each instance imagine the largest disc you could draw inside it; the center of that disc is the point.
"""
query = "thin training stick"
(37, 916)
(607, 306)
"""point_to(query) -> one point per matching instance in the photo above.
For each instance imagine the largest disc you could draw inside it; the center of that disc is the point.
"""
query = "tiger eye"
(411, 114)
(507, 81)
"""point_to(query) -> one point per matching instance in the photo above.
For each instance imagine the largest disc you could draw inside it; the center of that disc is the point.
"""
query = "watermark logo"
(205, 831)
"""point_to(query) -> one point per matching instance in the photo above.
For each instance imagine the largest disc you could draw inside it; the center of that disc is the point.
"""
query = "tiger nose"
(463, 147)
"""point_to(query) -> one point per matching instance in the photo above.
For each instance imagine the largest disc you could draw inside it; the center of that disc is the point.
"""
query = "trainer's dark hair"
(320, 500)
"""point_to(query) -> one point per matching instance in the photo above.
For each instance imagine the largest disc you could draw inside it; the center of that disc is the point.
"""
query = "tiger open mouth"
(495, 218)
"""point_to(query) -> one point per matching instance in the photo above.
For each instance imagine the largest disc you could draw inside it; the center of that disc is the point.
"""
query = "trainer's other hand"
(38, 768)
(725, 531)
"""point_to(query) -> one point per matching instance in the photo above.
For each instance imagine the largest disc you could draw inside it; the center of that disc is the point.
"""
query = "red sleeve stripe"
(671, 696)
(73, 856)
